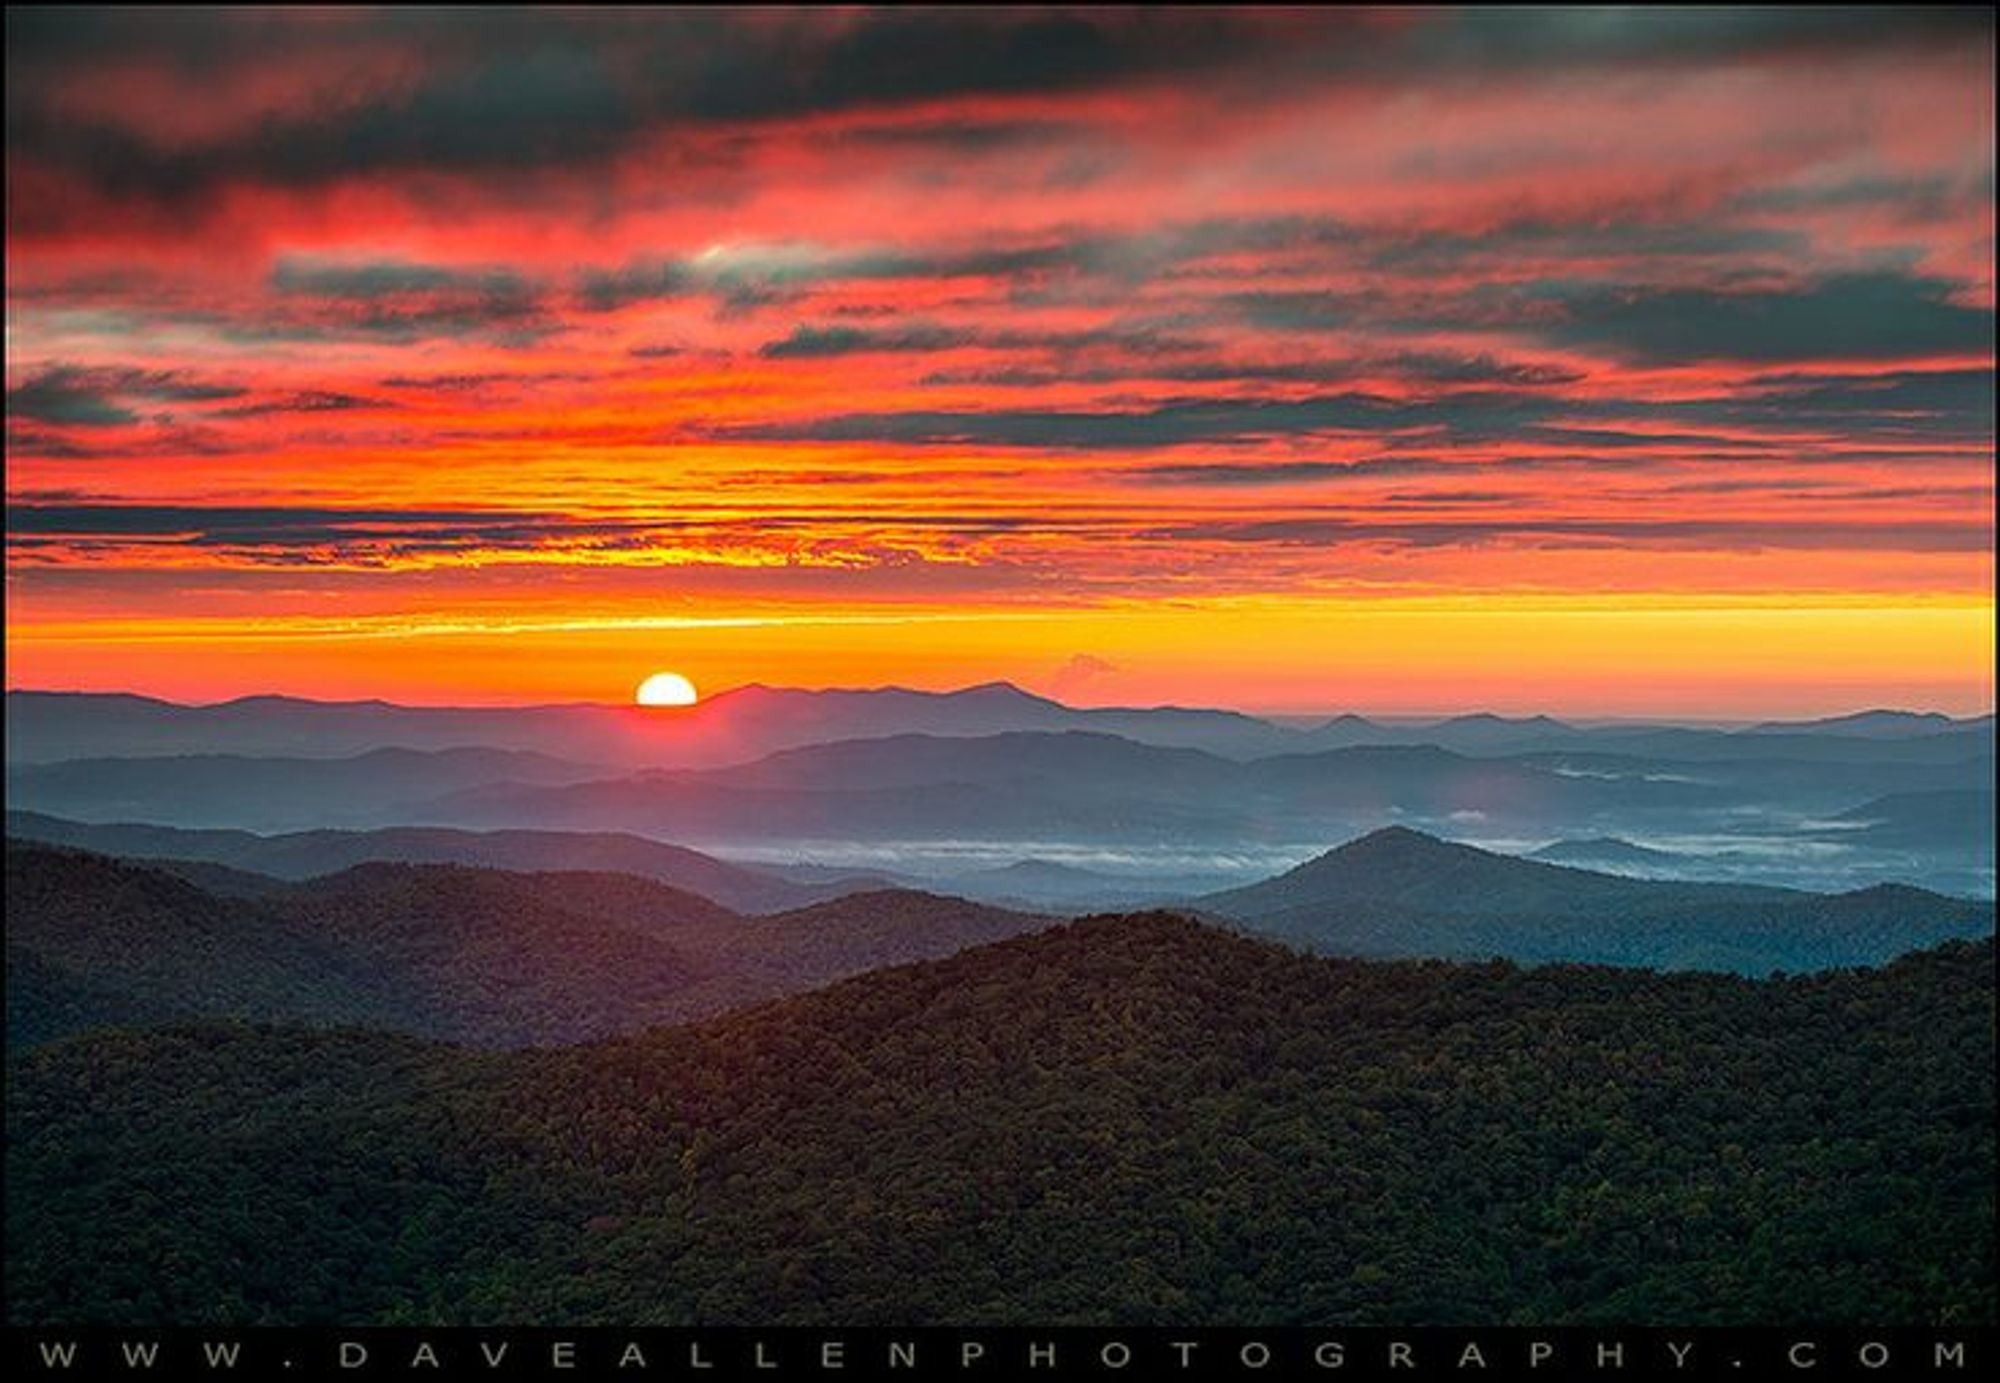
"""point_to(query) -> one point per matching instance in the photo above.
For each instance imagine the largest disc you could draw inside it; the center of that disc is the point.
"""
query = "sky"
(1589, 361)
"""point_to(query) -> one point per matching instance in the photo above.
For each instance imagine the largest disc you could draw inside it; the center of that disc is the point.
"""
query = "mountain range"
(832, 791)
(748, 722)
(206, 790)
(505, 957)
(1016, 785)
(943, 787)
(736, 725)
(472, 955)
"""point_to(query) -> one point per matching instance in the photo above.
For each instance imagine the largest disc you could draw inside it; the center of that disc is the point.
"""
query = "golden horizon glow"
(1696, 659)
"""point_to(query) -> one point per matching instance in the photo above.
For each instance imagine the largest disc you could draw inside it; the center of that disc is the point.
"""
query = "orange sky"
(1417, 361)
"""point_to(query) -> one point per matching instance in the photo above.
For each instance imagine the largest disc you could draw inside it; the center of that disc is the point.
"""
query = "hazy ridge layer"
(940, 789)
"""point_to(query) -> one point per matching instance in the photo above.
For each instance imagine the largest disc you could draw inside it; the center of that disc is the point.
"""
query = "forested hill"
(445, 951)
(1398, 892)
(311, 854)
(1134, 1119)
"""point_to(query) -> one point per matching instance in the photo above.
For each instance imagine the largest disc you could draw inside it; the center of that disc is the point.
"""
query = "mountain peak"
(1398, 867)
(1487, 720)
(997, 691)
(1390, 837)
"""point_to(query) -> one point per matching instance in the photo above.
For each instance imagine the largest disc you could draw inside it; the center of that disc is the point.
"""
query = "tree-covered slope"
(470, 955)
(1420, 872)
(1121, 1120)
(1398, 892)
(93, 940)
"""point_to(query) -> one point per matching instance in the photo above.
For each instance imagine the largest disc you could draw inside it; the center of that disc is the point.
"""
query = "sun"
(667, 689)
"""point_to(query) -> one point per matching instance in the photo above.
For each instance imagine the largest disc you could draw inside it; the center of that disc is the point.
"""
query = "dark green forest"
(1121, 1120)
(461, 954)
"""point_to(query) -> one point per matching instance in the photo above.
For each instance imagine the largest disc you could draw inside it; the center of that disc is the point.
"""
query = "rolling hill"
(470, 955)
(1121, 1121)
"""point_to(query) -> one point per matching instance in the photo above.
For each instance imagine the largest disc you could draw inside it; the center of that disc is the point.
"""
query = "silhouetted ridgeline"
(748, 721)
(1127, 1119)
(761, 763)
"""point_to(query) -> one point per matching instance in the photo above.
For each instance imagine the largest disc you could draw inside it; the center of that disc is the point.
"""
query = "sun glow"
(667, 689)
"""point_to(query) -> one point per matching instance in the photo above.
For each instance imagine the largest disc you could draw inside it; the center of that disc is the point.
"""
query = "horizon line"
(1002, 684)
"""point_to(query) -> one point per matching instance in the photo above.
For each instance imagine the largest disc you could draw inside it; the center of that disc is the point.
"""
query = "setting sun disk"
(666, 689)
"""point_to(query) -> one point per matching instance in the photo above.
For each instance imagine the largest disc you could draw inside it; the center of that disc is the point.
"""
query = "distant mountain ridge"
(293, 793)
(1055, 785)
(731, 727)
(306, 854)
(922, 787)
(1607, 852)
(1925, 820)
(1871, 723)
(1016, 784)
(748, 722)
